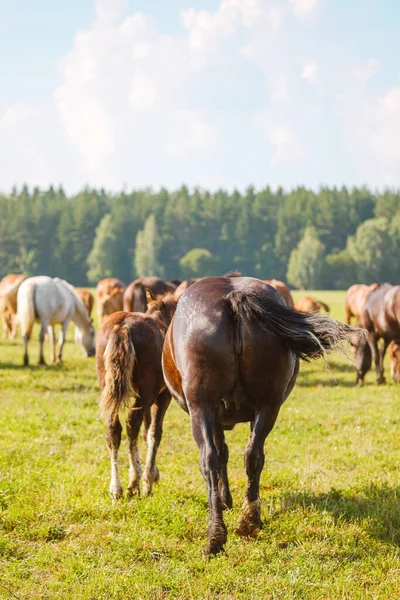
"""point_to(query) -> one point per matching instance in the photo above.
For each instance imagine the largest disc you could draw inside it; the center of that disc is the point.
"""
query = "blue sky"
(216, 93)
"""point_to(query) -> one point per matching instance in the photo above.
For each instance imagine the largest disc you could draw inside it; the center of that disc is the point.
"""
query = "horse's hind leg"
(133, 424)
(53, 341)
(203, 427)
(42, 335)
(154, 434)
(26, 336)
(113, 436)
(250, 521)
(223, 453)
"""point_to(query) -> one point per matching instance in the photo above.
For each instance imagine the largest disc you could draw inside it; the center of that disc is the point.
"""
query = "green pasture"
(330, 494)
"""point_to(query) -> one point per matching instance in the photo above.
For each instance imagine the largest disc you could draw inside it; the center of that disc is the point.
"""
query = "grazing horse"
(87, 299)
(109, 294)
(380, 316)
(231, 354)
(309, 304)
(282, 289)
(135, 299)
(129, 347)
(51, 301)
(8, 306)
(356, 296)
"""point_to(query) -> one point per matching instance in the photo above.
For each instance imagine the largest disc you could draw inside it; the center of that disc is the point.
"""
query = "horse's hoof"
(249, 527)
(116, 494)
(42, 363)
(133, 490)
(381, 381)
(360, 383)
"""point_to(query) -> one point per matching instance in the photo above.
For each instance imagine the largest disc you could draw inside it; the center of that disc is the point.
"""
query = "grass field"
(330, 494)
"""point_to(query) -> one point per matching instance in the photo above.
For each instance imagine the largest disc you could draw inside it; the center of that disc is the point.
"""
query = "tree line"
(326, 239)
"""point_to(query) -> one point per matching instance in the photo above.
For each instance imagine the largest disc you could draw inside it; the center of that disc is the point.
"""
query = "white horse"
(51, 301)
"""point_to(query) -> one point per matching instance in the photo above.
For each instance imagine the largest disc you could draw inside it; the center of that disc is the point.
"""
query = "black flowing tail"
(308, 335)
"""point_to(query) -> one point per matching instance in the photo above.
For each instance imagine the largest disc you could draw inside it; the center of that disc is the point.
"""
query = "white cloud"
(386, 133)
(16, 114)
(309, 71)
(108, 12)
(190, 135)
(303, 8)
(222, 102)
(365, 71)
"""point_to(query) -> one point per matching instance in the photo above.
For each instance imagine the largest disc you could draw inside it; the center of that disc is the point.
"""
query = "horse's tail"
(308, 335)
(12, 290)
(119, 360)
(324, 306)
(26, 308)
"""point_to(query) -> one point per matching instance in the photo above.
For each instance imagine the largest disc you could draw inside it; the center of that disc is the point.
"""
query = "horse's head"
(394, 358)
(85, 338)
(161, 307)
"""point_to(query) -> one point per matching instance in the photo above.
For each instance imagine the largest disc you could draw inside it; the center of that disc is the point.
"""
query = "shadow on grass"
(377, 507)
(35, 367)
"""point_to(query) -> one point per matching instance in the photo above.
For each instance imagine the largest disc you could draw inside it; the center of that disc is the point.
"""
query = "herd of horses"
(226, 348)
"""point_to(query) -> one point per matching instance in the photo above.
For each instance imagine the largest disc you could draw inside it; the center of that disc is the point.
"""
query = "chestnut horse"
(8, 306)
(135, 299)
(129, 347)
(309, 304)
(356, 295)
(109, 294)
(87, 299)
(231, 354)
(282, 289)
(380, 316)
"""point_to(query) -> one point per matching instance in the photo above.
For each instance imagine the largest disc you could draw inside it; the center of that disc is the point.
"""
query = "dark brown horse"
(232, 355)
(135, 294)
(129, 347)
(380, 316)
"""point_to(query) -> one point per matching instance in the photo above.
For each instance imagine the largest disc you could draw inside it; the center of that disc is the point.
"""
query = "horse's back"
(146, 339)
(381, 311)
(45, 299)
(213, 345)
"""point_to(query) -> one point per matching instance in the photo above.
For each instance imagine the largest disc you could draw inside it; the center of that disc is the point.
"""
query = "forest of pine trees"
(326, 239)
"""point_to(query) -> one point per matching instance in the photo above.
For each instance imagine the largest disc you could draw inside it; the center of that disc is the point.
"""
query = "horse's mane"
(72, 289)
(168, 299)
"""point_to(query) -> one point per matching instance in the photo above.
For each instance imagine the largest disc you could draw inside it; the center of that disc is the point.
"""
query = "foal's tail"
(308, 335)
(119, 360)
